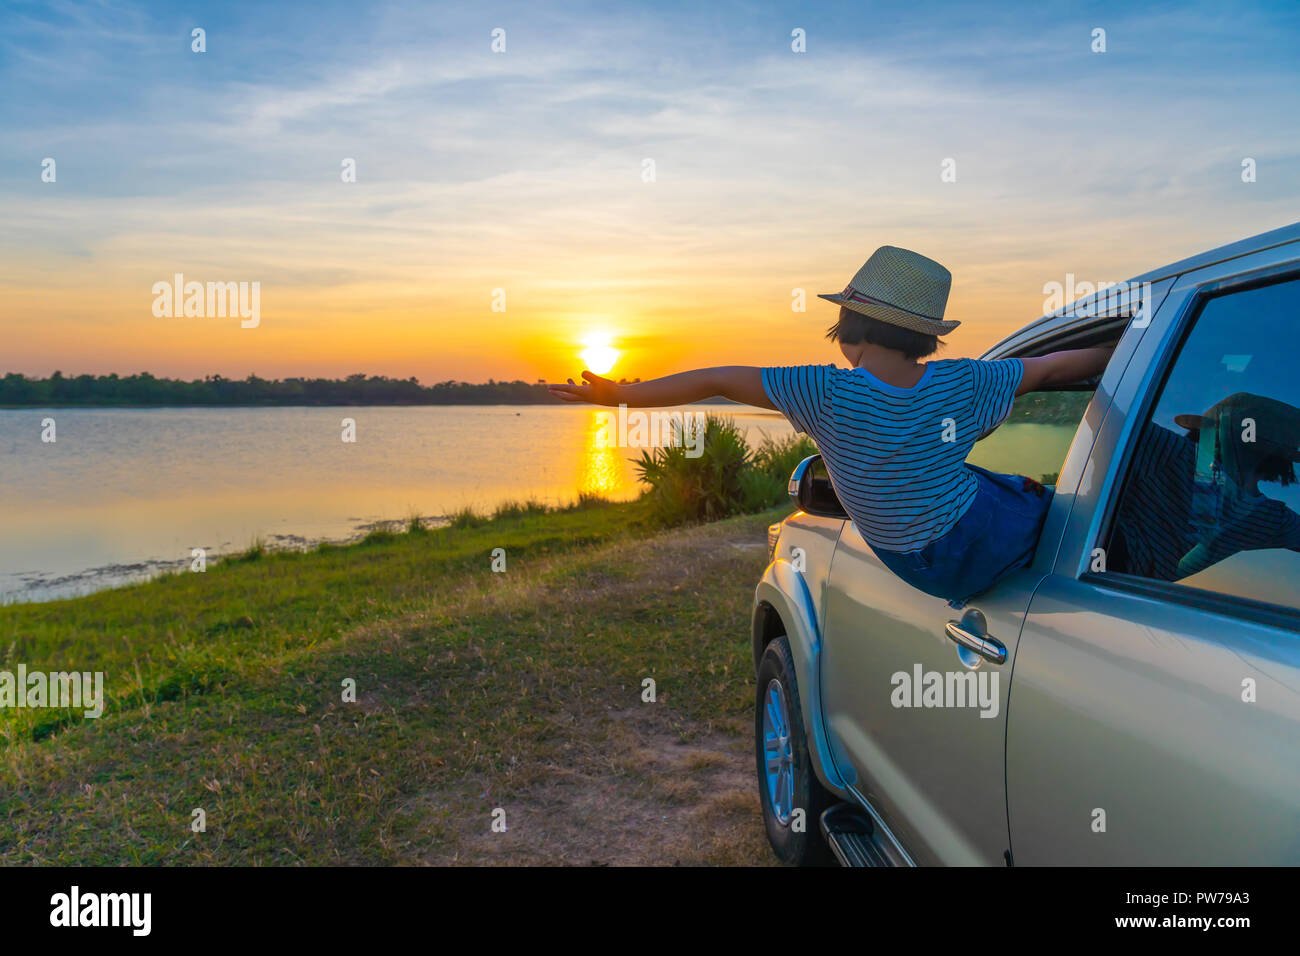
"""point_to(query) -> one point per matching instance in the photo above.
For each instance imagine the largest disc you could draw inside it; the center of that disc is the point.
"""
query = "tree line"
(144, 389)
(358, 389)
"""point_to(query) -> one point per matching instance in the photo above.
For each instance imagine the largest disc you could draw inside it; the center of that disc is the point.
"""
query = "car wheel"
(786, 781)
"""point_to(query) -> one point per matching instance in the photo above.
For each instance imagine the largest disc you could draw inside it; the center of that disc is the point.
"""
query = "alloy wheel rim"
(778, 753)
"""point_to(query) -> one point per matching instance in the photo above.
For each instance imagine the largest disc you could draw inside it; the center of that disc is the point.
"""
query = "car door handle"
(986, 647)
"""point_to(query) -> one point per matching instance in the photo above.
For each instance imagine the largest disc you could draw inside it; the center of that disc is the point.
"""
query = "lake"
(124, 493)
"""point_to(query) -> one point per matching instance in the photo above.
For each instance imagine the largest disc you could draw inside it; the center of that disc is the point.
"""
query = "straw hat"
(902, 288)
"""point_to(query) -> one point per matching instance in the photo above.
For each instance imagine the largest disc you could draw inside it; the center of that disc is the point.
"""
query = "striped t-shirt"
(896, 456)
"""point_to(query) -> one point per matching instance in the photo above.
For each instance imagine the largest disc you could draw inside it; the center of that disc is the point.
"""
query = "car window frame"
(1067, 328)
(1230, 605)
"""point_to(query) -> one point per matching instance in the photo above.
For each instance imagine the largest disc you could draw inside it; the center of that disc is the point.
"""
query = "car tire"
(781, 744)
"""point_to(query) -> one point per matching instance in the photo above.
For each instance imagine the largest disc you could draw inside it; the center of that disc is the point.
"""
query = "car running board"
(851, 835)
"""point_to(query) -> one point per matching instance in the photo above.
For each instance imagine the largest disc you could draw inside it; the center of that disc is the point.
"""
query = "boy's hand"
(597, 390)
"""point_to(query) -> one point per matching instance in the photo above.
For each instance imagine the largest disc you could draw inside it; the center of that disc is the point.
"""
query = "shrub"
(515, 509)
(378, 536)
(466, 518)
(778, 456)
(727, 478)
(774, 459)
(256, 552)
(588, 499)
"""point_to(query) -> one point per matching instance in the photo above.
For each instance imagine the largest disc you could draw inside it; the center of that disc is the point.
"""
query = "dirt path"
(641, 784)
(687, 804)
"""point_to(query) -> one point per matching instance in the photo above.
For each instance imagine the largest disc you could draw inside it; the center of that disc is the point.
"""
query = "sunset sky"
(523, 171)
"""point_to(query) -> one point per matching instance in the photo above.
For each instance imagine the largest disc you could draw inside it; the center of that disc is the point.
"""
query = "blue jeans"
(997, 534)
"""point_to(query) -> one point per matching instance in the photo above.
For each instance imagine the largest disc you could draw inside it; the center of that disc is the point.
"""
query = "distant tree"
(142, 388)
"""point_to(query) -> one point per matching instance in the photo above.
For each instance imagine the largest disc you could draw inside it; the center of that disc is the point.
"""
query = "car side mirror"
(810, 486)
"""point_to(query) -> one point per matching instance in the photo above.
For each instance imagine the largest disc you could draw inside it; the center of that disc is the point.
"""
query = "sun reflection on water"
(604, 468)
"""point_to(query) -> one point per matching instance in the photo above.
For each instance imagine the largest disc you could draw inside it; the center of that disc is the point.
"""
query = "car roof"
(1065, 318)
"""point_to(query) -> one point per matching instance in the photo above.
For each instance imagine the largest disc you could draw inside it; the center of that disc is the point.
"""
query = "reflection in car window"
(1214, 472)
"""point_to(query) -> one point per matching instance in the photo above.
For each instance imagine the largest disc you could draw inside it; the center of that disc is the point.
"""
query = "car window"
(1211, 498)
(1036, 436)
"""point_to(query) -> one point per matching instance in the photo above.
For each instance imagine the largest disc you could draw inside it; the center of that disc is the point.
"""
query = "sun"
(599, 356)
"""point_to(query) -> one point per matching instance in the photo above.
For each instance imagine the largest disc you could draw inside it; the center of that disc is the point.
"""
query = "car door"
(1155, 717)
(931, 766)
(932, 774)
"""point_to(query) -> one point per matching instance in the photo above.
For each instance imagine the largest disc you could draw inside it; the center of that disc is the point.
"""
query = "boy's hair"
(854, 327)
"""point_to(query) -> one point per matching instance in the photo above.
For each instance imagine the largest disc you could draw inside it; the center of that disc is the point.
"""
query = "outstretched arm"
(740, 383)
(1060, 368)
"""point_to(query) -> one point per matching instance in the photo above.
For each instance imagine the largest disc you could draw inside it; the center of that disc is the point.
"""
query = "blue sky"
(522, 170)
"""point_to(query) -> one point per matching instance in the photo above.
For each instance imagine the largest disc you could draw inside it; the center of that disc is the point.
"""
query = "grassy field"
(475, 691)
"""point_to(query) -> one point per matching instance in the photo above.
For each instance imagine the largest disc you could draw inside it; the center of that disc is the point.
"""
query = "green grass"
(267, 605)
(474, 690)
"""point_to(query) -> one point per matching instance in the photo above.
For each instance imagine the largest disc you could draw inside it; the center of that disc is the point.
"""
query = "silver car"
(1132, 697)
